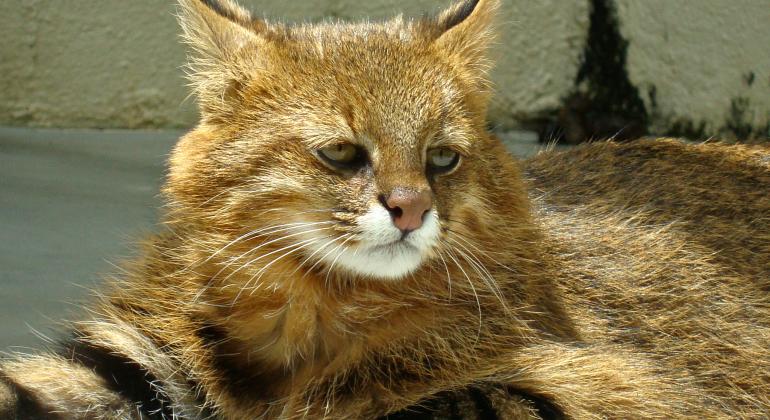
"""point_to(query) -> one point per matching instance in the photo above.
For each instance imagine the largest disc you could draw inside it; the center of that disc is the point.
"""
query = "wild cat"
(344, 239)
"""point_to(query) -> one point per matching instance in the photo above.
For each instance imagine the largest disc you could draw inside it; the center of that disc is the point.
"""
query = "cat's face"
(349, 148)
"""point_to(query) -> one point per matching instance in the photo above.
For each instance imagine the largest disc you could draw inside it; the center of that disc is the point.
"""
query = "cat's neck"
(312, 319)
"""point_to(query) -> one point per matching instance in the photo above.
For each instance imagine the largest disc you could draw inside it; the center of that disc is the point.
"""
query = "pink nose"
(407, 207)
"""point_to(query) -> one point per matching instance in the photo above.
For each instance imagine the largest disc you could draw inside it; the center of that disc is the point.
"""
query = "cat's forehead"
(399, 76)
(369, 78)
(371, 51)
(339, 31)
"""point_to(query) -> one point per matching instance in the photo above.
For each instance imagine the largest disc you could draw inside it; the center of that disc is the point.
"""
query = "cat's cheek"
(425, 239)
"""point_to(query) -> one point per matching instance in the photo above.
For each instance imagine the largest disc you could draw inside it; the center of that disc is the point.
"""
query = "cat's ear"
(223, 39)
(465, 30)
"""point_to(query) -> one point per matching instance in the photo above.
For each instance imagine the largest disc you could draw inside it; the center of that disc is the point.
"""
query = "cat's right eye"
(442, 160)
(342, 155)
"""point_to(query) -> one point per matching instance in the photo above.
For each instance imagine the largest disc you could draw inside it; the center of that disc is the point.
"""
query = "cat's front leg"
(479, 401)
(51, 387)
(600, 381)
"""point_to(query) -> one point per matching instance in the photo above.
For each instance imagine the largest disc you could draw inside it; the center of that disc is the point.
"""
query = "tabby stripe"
(426, 409)
(25, 406)
(454, 409)
(545, 409)
(420, 413)
(483, 404)
(123, 376)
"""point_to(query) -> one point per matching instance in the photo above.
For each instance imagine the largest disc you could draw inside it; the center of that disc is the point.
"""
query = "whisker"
(233, 260)
(523, 228)
(329, 272)
(470, 254)
(264, 255)
(261, 272)
(461, 237)
(254, 233)
(258, 275)
(309, 257)
(473, 288)
(347, 235)
(484, 274)
(448, 276)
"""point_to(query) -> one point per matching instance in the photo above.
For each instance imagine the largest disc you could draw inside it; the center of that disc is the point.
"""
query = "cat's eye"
(442, 160)
(342, 155)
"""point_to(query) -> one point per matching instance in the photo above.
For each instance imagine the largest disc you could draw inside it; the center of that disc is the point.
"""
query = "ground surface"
(72, 202)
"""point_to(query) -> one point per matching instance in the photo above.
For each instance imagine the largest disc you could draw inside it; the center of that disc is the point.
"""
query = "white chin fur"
(379, 254)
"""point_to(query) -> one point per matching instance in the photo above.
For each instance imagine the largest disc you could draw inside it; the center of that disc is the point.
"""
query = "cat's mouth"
(379, 250)
(402, 243)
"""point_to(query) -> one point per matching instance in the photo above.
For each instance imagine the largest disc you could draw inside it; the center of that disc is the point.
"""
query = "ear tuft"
(229, 10)
(457, 14)
(214, 28)
(217, 32)
(465, 30)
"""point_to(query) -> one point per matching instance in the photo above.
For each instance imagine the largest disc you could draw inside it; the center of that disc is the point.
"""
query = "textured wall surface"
(115, 63)
(701, 63)
(86, 63)
(698, 65)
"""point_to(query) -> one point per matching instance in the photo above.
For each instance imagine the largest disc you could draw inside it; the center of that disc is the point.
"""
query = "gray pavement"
(73, 202)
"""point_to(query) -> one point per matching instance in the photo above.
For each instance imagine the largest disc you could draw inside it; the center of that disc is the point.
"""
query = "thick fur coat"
(609, 281)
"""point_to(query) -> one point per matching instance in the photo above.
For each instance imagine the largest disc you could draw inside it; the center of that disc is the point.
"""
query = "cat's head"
(349, 147)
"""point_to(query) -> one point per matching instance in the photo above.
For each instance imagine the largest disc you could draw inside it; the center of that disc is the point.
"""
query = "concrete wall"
(91, 63)
(701, 65)
(697, 65)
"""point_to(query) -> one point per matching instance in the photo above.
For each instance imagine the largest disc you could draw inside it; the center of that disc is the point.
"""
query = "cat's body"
(660, 252)
(346, 240)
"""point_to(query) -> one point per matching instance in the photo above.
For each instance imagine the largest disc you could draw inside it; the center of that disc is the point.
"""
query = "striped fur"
(610, 281)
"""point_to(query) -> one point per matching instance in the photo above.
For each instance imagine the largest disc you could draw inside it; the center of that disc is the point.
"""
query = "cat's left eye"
(442, 159)
(342, 155)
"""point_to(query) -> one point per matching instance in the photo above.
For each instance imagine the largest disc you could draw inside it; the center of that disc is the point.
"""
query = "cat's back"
(719, 195)
(665, 173)
(661, 250)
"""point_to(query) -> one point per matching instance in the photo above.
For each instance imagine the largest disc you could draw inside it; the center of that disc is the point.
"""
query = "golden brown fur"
(611, 281)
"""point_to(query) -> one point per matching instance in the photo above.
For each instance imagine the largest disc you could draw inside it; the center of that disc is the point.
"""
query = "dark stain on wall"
(737, 120)
(604, 103)
(749, 78)
(737, 126)
(677, 127)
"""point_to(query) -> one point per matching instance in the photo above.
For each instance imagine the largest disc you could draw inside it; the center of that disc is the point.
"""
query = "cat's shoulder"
(712, 195)
(673, 152)
(652, 168)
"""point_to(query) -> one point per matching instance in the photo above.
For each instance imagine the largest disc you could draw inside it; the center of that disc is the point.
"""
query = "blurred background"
(92, 97)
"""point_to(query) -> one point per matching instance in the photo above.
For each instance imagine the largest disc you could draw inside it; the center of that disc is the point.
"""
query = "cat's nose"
(407, 207)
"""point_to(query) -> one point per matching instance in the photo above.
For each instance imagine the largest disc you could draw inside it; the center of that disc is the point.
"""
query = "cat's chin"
(382, 253)
(383, 262)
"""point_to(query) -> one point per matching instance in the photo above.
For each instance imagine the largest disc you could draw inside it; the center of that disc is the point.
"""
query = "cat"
(345, 239)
